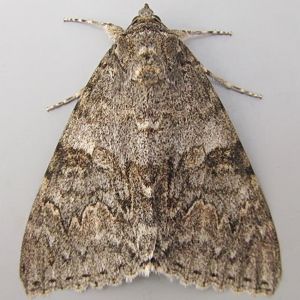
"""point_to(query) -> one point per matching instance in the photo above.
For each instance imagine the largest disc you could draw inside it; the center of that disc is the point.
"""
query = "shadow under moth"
(150, 176)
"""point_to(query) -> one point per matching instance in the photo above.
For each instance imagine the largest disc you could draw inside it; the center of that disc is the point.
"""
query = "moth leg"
(184, 34)
(229, 85)
(113, 31)
(68, 100)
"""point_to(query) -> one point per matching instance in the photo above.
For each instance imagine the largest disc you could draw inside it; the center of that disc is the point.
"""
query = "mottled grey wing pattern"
(216, 228)
(149, 175)
(82, 227)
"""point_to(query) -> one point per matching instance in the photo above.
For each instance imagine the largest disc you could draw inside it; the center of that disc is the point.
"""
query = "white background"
(44, 61)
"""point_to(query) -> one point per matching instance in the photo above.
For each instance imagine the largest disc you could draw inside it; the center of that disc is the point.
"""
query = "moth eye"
(134, 19)
(157, 18)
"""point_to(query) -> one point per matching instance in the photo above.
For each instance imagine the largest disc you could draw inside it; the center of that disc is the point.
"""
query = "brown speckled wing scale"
(149, 175)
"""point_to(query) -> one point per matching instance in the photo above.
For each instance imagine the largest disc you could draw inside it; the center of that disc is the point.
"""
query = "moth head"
(145, 14)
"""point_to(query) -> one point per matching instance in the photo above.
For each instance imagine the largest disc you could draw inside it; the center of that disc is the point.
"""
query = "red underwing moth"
(150, 176)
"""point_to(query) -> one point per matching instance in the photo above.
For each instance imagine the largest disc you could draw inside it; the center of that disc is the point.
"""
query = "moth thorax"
(147, 70)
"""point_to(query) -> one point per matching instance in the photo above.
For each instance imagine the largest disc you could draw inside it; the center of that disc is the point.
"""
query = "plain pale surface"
(44, 61)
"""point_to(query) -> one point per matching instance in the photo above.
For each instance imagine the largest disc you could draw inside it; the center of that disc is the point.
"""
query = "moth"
(149, 175)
